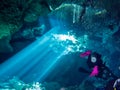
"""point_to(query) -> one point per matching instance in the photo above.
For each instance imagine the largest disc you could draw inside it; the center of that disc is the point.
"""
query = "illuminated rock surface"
(59, 31)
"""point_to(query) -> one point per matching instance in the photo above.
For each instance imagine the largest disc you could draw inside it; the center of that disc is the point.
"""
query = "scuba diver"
(94, 59)
(116, 85)
(99, 69)
(95, 62)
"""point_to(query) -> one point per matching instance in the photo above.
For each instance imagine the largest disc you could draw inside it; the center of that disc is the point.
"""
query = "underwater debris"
(16, 84)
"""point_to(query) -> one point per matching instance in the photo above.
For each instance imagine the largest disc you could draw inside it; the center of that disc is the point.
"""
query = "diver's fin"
(83, 70)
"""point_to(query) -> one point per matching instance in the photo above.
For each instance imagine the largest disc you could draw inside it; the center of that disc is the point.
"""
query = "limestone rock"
(68, 12)
(5, 37)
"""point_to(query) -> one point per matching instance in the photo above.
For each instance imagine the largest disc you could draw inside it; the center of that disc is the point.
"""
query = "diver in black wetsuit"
(94, 59)
(104, 72)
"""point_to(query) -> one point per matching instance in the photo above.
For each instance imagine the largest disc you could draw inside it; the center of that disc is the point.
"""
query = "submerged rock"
(52, 86)
(36, 9)
(5, 37)
(68, 12)
(86, 85)
(16, 84)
